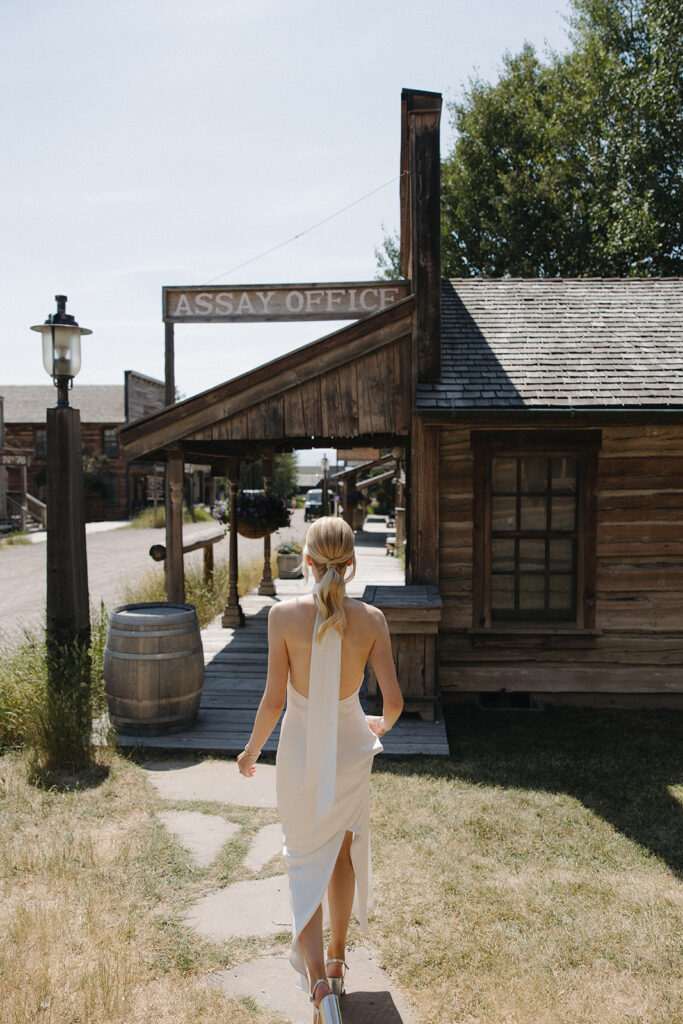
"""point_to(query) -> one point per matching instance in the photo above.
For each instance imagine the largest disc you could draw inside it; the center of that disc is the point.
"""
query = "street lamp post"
(325, 465)
(68, 617)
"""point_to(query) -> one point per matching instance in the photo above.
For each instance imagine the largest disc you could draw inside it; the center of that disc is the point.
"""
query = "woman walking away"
(318, 646)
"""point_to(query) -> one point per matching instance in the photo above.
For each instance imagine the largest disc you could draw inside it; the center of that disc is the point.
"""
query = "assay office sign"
(258, 302)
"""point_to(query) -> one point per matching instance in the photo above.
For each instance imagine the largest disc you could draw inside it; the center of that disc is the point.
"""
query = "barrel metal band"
(153, 657)
(141, 633)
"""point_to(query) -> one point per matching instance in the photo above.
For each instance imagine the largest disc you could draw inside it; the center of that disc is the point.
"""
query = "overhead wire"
(306, 231)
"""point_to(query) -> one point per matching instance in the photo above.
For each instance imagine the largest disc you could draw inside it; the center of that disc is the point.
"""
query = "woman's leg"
(311, 939)
(340, 896)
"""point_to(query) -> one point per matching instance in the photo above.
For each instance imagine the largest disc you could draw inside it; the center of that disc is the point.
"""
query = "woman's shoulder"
(364, 612)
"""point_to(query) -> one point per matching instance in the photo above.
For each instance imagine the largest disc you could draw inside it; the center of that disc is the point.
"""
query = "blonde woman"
(318, 646)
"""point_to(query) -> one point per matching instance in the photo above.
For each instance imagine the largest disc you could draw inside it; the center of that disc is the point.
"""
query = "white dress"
(323, 764)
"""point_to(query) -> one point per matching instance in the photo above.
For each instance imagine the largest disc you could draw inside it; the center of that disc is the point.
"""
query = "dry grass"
(93, 888)
(535, 877)
(10, 540)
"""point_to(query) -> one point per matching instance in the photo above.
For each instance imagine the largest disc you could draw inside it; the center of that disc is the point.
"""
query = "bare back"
(366, 636)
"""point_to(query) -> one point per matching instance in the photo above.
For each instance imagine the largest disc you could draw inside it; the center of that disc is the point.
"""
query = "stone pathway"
(259, 907)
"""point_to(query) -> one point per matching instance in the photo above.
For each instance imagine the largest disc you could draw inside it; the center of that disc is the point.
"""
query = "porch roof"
(352, 384)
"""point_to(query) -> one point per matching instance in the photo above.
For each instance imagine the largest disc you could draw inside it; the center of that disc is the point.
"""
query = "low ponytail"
(329, 542)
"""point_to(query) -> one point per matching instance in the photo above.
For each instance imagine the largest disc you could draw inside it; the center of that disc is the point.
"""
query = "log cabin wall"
(638, 646)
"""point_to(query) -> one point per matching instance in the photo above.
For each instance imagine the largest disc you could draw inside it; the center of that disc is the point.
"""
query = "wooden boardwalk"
(236, 663)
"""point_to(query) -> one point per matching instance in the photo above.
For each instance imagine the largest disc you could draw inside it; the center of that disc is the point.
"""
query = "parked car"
(313, 505)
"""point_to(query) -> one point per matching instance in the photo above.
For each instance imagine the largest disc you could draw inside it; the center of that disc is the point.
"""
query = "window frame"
(583, 445)
(114, 453)
(40, 446)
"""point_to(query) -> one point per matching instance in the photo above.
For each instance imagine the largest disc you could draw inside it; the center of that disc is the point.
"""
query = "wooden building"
(540, 423)
(113, 489)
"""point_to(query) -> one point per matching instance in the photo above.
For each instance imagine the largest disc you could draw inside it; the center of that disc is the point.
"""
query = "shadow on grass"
(68, 780)
(617, 763)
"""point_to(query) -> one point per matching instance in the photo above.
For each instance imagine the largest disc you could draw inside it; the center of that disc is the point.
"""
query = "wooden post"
(24, 489)
(175, 571)
(232, 613)
(349, 488)
(208, 563)
(267, 587)
(68, 610)
(423, 508)
(169, 364)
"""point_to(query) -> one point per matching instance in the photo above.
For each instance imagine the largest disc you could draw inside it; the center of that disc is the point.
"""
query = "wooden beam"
(423, 496)
(175, 571)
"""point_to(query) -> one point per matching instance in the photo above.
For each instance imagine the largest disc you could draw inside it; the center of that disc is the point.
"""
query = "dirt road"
(115, 559)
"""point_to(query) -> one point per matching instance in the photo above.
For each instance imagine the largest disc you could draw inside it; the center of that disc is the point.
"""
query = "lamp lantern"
(61, 348)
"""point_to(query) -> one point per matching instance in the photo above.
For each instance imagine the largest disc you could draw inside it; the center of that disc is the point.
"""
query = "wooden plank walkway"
(236, 664)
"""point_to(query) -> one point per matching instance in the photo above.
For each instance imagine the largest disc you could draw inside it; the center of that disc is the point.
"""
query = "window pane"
(534, 474)
(504, 514)
(532, 513)
(532, 556)
(505, 475)
(532, 592)
(564, 474)
(562, 592)
(502, 592)
(502, 555)
(563, 512)
(561, 555)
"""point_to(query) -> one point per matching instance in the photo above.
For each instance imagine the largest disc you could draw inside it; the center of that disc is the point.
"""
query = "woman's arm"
(382, 661)
(274, 695)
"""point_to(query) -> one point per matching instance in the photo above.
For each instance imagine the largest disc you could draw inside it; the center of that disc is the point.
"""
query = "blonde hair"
(329, 542)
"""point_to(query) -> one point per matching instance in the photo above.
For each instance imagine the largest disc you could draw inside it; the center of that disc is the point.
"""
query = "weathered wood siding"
(639, 592)
(365, 396)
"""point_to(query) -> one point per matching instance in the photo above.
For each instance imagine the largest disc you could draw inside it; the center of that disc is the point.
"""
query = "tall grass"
(48, 696)
(209, 598)
(152, 517)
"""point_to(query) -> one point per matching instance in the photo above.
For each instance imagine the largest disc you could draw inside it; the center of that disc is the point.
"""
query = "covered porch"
(236, 663)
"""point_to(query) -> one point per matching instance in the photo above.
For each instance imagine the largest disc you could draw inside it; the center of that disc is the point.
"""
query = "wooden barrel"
(153, 667)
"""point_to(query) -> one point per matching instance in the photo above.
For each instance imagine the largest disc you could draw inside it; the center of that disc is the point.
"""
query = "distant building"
(112, 489)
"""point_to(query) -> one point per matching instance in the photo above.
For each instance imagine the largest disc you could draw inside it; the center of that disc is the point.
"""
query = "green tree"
(574, 166)
(284, 475)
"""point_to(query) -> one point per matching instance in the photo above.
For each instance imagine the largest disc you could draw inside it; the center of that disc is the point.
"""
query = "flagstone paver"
(370, 996)
(202, 835)
(213, 780)
(257, 907)
(267, 843)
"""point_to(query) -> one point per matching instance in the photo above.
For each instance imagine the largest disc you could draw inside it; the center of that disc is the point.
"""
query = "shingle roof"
(549, 343)
(98, 403)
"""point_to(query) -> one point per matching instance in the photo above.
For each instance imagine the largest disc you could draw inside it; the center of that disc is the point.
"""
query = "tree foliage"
(574, 167)
(284, 475)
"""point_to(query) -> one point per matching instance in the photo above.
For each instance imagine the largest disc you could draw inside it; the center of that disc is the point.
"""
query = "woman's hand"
(247, 764)
(376, 723)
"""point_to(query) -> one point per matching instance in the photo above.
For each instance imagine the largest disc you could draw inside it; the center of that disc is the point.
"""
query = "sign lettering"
(253, 303)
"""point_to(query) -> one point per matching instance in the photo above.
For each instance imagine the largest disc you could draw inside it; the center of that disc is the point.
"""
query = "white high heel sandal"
(337, 984)
(327, 1011)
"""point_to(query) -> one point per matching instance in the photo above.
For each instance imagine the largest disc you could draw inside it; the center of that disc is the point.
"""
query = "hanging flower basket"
(257, 513)
(252, 530)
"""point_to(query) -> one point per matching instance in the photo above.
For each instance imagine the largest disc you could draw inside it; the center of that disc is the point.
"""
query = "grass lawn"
(534, 877)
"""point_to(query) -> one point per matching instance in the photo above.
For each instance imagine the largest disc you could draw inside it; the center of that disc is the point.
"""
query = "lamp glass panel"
(67, 351)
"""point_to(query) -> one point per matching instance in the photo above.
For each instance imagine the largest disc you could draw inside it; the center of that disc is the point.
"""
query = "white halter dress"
(323, 764)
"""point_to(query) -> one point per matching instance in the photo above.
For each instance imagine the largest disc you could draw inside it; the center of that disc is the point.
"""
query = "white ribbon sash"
(323, 707)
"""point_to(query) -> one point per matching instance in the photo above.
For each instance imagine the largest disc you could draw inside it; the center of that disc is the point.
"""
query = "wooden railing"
(158, 552)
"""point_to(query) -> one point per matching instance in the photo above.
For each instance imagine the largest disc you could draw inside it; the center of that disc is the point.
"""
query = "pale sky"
(153, 142)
